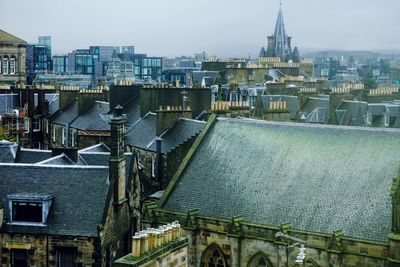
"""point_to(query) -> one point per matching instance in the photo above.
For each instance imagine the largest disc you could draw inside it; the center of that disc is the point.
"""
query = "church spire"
(282, 42)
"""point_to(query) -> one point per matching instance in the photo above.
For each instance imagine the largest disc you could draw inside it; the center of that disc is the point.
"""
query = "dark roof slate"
(177, 134)
(319, 178)
(80, 195)
(142, 133)
(32, 155)
(67, 115)
(92, 119)
(8, 151)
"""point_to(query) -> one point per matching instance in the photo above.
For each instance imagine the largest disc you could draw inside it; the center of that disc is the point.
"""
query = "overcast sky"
(222, 27)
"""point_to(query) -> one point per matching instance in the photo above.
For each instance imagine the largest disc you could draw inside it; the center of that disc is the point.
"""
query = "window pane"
(27, 212)
(19, 258)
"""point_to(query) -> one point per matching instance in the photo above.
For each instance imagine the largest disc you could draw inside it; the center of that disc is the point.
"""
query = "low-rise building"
(12, 59)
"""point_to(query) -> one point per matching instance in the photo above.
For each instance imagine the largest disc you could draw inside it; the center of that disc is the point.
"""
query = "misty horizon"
(225, 28)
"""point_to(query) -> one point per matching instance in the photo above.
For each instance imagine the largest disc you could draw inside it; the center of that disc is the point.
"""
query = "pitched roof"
(177, 134)
(32, 155)
(67, 115)
(93, 118)
(100, 147)
(210, 77)
(292, 103)
(132, 110)
(319, 178)
(76, 210)
(8, 151)
(142, 133)
(352, 113)
(7, 38)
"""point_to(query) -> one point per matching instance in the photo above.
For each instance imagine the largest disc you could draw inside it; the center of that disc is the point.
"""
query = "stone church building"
(250, 192)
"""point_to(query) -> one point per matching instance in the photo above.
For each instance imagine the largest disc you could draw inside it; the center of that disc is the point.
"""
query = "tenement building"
(250, 192)
(70, 209)
(12, 59)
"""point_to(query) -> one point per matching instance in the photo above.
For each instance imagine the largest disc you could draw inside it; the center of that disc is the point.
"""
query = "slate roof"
(32, 155)
(61, 159)
(210, 77)
(7, 38)
(315, 102)
(100, 147)
(66, 116)
(319, 178)
(132, 110)
(92, 119)
(352, 113)
(80, 195)
(182, 130)
(142, 133)
(54, 103)
(8, 151)
(292, 103)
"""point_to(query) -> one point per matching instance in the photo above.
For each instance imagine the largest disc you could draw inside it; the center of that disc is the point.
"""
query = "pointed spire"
(282, 46)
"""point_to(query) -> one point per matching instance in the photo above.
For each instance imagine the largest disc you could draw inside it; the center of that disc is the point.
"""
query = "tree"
(6, 135)
(369, 82)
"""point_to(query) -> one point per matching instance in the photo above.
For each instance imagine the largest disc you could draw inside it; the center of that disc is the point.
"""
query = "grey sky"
(222, 27)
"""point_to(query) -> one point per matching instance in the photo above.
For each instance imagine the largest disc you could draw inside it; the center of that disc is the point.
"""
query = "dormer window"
(29, 209)
(23, 211)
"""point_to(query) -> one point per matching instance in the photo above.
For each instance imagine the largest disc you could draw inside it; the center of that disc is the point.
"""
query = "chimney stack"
(117, 157)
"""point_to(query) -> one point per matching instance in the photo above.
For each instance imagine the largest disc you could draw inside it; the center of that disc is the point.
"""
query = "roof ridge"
(308, 125)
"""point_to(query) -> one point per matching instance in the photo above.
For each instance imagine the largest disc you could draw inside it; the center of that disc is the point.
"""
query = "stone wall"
(42, 250)
(19, 52)
(240, 241)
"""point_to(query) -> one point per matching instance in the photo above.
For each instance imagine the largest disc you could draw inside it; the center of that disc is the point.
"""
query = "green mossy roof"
(319, 178)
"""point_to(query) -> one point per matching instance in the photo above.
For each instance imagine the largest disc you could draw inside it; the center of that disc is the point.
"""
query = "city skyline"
(224, 28)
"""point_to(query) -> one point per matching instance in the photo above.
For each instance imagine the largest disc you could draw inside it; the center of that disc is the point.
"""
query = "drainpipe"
(67, 135)
(159, 162)
(47, 250)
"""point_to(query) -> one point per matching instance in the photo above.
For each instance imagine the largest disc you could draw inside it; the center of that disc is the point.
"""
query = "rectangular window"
(5, 66)
(63, 136)
(19, 258)
(53, 134)
(153, 166)
(72, 138)
(66, 257)
(12, 66)
(36, 124)
(27, 212)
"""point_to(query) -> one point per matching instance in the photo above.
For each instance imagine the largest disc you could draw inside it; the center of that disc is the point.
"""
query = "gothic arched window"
(260, 260)
(213, 257)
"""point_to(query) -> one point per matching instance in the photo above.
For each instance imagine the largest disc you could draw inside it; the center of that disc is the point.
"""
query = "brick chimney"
(86, 99)
(117, 157)
(66, 96)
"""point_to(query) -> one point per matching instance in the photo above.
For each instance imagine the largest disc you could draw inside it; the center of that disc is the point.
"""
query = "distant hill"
(355, 54)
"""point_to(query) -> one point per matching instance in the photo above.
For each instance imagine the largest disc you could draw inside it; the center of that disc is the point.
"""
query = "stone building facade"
(296, 196)
(70, 214)
(12, 60)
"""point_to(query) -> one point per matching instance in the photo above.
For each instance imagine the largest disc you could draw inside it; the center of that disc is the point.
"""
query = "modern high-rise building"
(280, 44)
(46, 40)
(38, 61)
(60, 64)
(128, 49)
